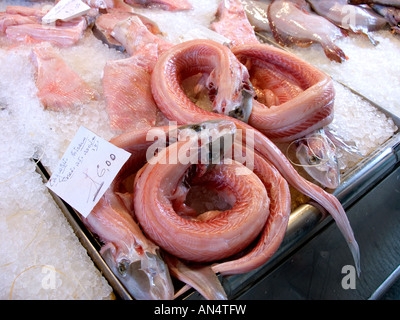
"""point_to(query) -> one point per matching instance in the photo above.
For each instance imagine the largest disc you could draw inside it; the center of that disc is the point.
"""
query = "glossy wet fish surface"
(210, 194)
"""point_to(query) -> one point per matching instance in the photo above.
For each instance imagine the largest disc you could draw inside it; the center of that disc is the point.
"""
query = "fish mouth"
(216, 136)
(243, 111)
(146, 277)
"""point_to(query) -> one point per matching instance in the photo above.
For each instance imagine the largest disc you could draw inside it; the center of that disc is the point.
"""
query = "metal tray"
(305, 221)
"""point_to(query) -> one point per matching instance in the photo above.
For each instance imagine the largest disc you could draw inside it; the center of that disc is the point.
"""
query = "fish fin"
(201, 278)
(334, 53)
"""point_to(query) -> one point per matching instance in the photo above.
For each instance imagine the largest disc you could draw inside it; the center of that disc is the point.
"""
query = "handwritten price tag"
(86, 170)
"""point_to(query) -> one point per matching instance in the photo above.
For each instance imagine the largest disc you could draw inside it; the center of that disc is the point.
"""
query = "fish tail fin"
(334, 53)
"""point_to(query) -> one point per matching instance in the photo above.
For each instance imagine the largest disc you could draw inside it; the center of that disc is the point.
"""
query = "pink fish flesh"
(61, 35)
(167, 75)
(129, 100)
(7, 20)
(231, 22)
(105, 24)
(135, 35)
(59, 87)
(126, 82)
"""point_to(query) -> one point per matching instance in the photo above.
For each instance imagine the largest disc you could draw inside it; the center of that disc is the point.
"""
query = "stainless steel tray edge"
(86, 238)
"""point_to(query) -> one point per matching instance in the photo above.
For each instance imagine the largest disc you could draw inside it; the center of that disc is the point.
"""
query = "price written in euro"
(86, 170)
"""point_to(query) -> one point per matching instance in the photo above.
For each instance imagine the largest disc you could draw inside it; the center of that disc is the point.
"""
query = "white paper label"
(66, 10)
(86, 170)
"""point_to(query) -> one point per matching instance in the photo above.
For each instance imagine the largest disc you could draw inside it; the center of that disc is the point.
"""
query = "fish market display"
(174, 103)
(207, 195)
(134, 259)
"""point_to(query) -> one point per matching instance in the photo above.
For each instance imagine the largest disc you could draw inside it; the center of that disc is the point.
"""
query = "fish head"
(231, 91)
(316, 154)
(144, 275)
(216, 138)
(242, 111)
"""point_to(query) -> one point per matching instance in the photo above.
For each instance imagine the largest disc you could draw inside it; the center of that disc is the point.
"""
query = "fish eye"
(123, 266)
(196, 127)
(313, 160)
(236, 113)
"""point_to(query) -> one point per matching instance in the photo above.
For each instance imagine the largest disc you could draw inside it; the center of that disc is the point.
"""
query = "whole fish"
(212, 235)
(353, 18)
(257, 14)
(134, 259)
(200, 239)
(316, 153)
(292, 24)
(391, 3)
(173, 102)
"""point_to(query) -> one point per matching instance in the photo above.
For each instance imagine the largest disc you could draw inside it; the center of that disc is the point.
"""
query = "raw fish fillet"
(26, 11)
(106, 22)
(130, 103)
(7, 20)
(126, 82)
(134, 35)
(60, 35)
(232, 23)
(59, 87)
